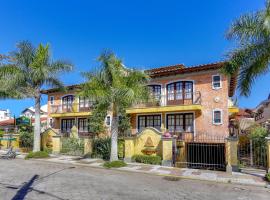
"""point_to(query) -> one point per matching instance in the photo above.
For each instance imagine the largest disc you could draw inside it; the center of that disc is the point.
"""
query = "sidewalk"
(196, 174)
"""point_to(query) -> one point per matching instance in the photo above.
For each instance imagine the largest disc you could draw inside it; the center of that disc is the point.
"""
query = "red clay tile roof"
(7, 122)
(70, 87)
(181, 69)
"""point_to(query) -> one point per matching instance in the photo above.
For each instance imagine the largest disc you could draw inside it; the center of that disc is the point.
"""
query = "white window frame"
(51, 100)
(221, 116)
(216, 88)
(110, 120)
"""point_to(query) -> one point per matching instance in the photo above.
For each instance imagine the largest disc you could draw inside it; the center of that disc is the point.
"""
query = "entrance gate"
(201, 153)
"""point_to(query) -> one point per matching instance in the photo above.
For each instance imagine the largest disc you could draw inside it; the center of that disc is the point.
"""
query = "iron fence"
(252, 153)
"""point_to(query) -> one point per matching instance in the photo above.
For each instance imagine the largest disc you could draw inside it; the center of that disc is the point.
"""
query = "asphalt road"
(21, 179)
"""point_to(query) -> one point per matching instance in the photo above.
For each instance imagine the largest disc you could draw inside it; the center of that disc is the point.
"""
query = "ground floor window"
(149, 121)
(183, 122)
(83, 125)
(67, 124)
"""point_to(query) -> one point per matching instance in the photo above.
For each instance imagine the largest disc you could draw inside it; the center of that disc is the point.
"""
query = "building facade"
(66, 110)
(5, 115)
(262, 113)
(188, 102)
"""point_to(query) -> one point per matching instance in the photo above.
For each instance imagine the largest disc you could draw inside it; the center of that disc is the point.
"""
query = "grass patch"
(153, 160)
(38, 154)
(115, 164)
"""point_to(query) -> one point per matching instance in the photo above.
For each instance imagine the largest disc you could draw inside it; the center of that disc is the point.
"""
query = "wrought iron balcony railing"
(74, 107)
(183, 98)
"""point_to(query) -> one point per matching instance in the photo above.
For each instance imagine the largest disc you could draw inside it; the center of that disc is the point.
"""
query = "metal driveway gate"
(203, 153)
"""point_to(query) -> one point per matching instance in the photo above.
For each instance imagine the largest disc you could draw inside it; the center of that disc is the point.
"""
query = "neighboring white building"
(5, 115)
(30, 112)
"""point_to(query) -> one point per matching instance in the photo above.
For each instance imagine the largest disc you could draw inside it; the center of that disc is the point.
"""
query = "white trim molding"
(220, 81)
(221, 116)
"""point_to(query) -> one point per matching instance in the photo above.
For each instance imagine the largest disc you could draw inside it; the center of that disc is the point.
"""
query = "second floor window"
(67, 101)
(51, 100)
(180, 90)
(155, 90)
(216, 82)
(85, 102)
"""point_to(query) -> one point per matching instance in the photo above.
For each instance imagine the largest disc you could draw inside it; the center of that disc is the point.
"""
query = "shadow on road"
(22, 192)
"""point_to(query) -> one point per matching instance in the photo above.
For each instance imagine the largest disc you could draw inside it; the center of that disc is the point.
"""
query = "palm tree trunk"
(114, 137)
(37, 123)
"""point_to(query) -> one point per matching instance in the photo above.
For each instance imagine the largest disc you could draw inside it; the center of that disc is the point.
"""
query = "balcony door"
(67, 103)
(180, 92)
(155, 91)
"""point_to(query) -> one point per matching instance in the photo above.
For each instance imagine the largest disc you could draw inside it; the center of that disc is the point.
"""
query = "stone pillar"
(181, 157)
(231, 154)
(88, 145)
(167, 153)
(129, 149)
(268, 154)
(57, 144)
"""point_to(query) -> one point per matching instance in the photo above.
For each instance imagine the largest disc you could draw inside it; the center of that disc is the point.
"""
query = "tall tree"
(252, 56)
(115, 87)
(25, 72)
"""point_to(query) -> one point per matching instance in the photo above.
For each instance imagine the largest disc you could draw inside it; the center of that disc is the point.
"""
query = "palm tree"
(114, 87)
(25, 72)
(252, 56)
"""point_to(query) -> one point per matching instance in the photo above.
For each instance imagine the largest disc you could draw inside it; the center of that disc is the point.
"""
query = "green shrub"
(153, 160)
(115, 164)
(38, 154)
(72, 146)
(102, 148)
(26, 139)
(267, 176)
(121, 148)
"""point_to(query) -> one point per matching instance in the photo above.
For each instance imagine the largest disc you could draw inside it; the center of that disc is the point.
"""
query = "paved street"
(20, 179)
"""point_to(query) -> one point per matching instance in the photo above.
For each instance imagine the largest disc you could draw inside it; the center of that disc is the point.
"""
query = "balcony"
(168, 103)
(70, 110)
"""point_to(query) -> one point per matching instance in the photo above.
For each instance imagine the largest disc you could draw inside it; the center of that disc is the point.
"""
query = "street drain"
(171, 178)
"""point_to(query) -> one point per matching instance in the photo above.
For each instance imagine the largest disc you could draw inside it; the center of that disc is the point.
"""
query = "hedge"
(154, 160)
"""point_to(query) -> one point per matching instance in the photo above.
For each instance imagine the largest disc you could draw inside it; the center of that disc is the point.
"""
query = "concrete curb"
(123, 169)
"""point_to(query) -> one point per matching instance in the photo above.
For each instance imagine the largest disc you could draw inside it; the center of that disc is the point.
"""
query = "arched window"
(179, 91)
(67, 102)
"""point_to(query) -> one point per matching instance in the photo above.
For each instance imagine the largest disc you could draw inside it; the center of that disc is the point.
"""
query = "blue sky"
(143, 33)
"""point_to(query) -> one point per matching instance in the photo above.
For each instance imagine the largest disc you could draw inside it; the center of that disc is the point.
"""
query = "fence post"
(88, 145)
(167, 153)
(268, 153)
(57, 144)
(231, 154)
(129, 149)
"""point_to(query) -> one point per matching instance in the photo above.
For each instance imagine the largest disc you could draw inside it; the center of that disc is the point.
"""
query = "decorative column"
(88, 146)
(167, 151)
(268, 154)
(231, 154)
(163, 129)
(181, 158)
(57, 144)
(129, 149)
